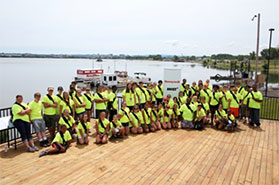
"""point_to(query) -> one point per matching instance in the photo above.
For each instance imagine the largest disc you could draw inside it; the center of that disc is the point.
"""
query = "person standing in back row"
(50, 103)
(100, 101)
(160, 92)
(36, 117)
(20, 112)
(254, 101)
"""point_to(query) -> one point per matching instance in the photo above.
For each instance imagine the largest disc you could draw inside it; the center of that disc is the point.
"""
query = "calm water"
(26, 76)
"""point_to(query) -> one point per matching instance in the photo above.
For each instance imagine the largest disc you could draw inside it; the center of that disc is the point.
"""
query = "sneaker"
(46, 143)
(35, 148)
(30, 149)
(42, 143)
(119, 136)
(43, 153)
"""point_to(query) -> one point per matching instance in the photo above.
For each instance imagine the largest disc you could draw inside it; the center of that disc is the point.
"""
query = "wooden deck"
(248, 156)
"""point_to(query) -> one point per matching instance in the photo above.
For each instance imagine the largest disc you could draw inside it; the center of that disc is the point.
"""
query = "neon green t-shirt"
(205, 107)
(215, 98)
(79, 100)
(17, 109)
(80, 127)
(117, 124)
(245, 97)
(235, 101)
(124, 118)
(59, 99)
(187, 114)
(58, 138)
(136, 118)
(65, 106)
(146, 114)
(63, 121)
(206, 94)
(200, 113)
(50, 110)
(105, 124)
(252, 103)
(129, 97)
(221, 115)
(226, 97)
(113, 99)
(102, 105)
(154, 115)
(160, 91)
(88, 98)
(142, 94)
(169, 113)
(36, 110)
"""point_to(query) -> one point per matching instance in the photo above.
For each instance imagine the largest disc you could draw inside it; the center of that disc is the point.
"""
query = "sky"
(136, 27)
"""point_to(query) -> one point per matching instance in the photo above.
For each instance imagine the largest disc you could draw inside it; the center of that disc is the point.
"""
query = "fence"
(270, 108)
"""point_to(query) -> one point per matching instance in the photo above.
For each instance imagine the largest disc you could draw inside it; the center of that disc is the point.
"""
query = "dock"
(246, 156)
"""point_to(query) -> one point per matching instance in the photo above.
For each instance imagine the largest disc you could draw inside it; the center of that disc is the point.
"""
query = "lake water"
(29, 75)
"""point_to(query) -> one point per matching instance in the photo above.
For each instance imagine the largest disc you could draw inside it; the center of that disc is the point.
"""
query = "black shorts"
(144, 126)
(213, 108)
(142, 106)
(125, 124)
(130, 107)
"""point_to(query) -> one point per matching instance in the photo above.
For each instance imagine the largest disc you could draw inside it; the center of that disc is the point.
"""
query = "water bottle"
(5, 148)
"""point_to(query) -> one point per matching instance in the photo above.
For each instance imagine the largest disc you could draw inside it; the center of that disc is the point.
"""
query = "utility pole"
(258, 42)
(269, 56)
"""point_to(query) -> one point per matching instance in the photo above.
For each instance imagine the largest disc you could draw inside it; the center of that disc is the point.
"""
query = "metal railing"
(270, 108)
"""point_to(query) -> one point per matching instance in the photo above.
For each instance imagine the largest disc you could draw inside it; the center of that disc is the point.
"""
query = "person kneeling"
(60, 143)
(116, 128)
(83, 127)
(220, 117)
(231, 121)
(200, 118)
(102, 128)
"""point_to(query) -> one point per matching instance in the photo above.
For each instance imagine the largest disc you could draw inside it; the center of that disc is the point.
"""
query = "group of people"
(143, 109)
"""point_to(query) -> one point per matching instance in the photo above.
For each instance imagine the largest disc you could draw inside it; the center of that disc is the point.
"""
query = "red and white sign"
(89, 73)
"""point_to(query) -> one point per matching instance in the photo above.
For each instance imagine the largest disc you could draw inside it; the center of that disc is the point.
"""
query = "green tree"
(274, 53)
(252, 55)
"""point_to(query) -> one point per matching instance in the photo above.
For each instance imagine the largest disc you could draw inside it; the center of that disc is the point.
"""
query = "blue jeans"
(254, 116)
(24, 128)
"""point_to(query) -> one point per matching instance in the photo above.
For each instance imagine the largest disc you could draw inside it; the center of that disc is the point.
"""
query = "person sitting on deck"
(67, 120)
(220, 117)
(60, 143)
(146, 114)
(166, 117)
(124, 117)
(231, 121)
(136, 120)
(116, 128)
(200, 118)
(189, 112)
(176, 116)
(102, 129)
(83, 127)
(155, 119)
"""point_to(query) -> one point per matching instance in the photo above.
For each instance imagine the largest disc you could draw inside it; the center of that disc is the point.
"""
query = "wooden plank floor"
(248, 156)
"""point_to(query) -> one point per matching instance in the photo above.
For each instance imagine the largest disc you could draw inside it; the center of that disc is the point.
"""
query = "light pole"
(258, 42)
(268, 60)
